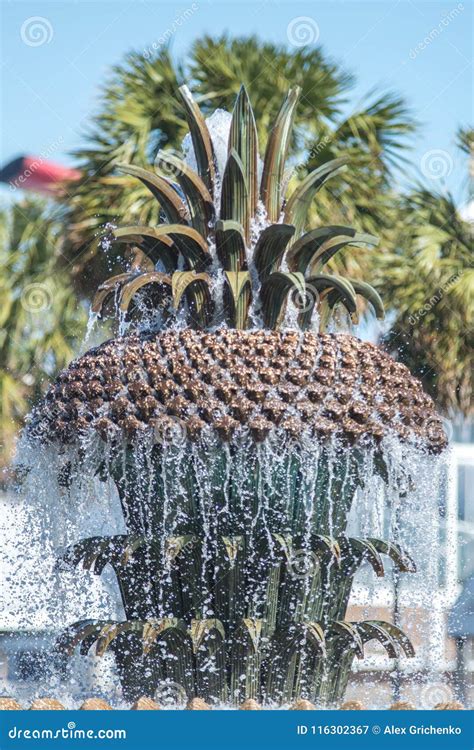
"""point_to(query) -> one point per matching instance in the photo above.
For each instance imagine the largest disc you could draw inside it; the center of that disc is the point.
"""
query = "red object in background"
(36, 173)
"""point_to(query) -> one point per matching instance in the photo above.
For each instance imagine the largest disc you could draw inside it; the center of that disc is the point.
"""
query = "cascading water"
(214, 495)
(223, 506)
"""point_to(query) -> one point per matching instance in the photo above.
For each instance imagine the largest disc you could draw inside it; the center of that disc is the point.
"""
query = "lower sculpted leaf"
(274, 293)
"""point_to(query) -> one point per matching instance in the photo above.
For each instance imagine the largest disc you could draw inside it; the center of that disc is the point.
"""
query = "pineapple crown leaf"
(201, 139)
(172, 205)
(215, 230)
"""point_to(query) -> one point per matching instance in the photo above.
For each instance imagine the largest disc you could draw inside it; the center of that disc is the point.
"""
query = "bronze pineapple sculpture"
(235, 438)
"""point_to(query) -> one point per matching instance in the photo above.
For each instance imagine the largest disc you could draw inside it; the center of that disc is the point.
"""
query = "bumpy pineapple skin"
(232, 379)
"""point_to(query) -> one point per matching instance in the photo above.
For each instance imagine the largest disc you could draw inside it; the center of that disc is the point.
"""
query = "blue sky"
(421, 49)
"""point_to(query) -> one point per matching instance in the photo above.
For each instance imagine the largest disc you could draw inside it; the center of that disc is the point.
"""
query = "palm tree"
(429, 281)
(39, 317)
(139, 114)
(465, 140)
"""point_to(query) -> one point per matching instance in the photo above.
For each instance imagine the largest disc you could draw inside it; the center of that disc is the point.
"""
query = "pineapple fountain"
(238, 433)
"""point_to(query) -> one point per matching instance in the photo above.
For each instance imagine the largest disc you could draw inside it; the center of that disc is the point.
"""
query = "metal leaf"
(244, 140)
(164, 251)
(77, 632)
(153, 630)
(371, 295)
(303, 249)
(321, 545)
(348, 635)
(245, 659)
(397, 635)
(401, 558)
(123, 553)
(162, 189)
(234, 195)
(89, 640)
(99, 551)
(251, 628)
(238, 283)
(333, 245)
(230, 245)
(232, 545)
(296, 209)
(191, 244)
(130, 289)
(157, 246)
(274, 293)
(94, 551)
(270, 248)
(276, 154)
(182, 280)
(326, 544)
(202, 143)
(75, 553)
(175, 545)
(201, 206)
(365, 551)
(197, 289)
(316, 634)
(201, 629)
(324, 281)
(108, 289)
(188, 241)
(370, 630)
(109, 633)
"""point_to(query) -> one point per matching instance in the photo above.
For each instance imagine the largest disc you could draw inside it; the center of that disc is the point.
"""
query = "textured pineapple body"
(232, 381)
(237, 456)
